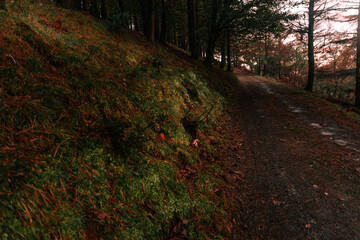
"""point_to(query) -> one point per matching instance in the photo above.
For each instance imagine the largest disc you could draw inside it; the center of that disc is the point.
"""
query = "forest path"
(296, 165)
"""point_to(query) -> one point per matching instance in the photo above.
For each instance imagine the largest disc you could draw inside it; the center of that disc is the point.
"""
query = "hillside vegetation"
(104, 135)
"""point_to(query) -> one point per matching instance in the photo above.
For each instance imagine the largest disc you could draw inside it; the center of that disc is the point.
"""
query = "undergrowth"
(103, 135)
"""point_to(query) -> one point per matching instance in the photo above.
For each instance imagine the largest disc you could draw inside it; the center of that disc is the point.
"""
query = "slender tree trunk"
(210, 50)
(265, 72)
(163, 34)
(223, 53)
(148, 17)
(58, 2)
(84, 5)
(279, 58)
(2, 4)
(311, 57)
(176, 42)
(200, 50)
(103, 9)
(94, 8)
(192, 29)
(197, 19)
(236, 59)
(168, 36)
(157, 27)
(212, 34)
(130, 23)
(357, 90)
(182, 40)
(78, 5)
(136, 23)
(228, 50)
(152, 20)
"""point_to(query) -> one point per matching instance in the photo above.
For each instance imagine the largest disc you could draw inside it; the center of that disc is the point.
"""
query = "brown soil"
(295, 165)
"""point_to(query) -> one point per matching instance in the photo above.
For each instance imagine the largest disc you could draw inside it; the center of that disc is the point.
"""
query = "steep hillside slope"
(104, 136)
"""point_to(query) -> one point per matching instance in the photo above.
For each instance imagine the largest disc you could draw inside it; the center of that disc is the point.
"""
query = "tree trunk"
(152, 20)
(279, 58)
(357, 90)
(148, 17)
(236, 59)
(121, 5)
(78, 5)
(223, 53)
(210, 50)
(2, 4)
(192, 29)
(136, 23)
(84, 5)
(200, 50)
(182, 40)
(228, 50)
(176, 42)
(157, 27)
(94, 8)
(213, 33)
(58, 2)
(311, 57)
(197, 20)
(103, 9)
(265, 72)
(163, 34)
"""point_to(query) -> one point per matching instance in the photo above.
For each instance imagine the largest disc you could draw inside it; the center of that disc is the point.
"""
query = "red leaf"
(162, 136)
(195, 142)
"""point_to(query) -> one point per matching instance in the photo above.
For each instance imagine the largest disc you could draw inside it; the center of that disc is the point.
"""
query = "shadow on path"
(300, 165)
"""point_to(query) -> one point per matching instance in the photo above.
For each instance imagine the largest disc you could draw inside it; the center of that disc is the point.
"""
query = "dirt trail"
(297, 168)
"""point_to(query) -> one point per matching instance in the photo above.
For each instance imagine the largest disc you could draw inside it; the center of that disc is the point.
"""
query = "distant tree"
(241, 18)
(318, 11)
(268, 23)
(311, 55)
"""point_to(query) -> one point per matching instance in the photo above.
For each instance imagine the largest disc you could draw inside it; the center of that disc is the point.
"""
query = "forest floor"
(296, 164)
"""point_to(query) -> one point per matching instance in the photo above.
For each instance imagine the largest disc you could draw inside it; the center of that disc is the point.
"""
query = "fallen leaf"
(162, 136)
(276, 202)
(102, 216)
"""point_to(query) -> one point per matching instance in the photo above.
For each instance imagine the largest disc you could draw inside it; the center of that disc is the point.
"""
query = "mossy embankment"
(103, 135)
